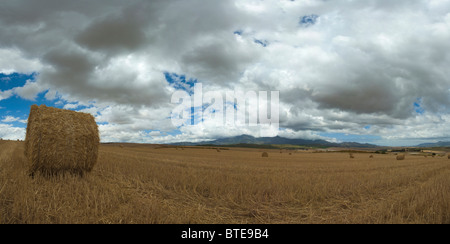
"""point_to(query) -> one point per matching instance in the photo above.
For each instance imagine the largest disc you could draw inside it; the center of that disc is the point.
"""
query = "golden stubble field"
(142, 184)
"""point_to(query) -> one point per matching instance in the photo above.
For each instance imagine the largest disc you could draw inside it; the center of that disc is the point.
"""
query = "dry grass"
(138, 184)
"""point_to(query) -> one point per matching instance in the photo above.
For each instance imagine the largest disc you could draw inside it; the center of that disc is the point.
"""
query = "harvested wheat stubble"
(61, 141)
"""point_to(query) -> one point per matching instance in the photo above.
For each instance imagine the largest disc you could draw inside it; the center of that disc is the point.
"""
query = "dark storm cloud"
(368, 97)
(80, 43)
(358, 63)
(69, 63)
(113, 33)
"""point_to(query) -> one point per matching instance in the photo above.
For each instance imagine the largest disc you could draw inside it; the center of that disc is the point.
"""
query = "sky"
(372, 71)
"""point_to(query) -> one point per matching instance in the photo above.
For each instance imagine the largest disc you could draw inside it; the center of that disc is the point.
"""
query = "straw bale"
(401, 157)
(61, 141)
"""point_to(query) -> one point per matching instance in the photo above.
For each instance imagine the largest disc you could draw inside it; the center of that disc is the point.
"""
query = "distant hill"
(436, 144)
(247, 139)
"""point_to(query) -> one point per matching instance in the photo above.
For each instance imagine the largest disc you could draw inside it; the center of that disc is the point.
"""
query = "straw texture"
(61, 141)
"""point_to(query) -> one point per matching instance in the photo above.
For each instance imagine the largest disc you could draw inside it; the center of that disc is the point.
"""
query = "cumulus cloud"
(113, 33)
(13, 61)
(8, 119)
(29, 91)
(9, 132)
(340, 66)
(5, 94)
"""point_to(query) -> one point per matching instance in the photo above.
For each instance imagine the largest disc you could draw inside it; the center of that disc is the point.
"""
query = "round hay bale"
(371, 156)
(351, 155)
(401, 157)
(61, 141)
(448, 156)
(265, 155)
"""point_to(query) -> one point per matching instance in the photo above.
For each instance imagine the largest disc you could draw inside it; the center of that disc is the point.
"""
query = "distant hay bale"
(371, 156)
(61, 141)
(351, 155)
(401, 157)
(290, 153)
(448, 156)
(265, 155)
(217, 149)
(121, 146)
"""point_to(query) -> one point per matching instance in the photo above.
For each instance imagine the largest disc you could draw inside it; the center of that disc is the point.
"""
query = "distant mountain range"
(247, 139)
(437, 144)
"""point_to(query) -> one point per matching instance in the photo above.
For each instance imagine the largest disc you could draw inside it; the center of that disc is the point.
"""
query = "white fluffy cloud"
(29, 90)
(8, 119)
(5, 94)
(9, 132)
(13, 60)
(340, 66)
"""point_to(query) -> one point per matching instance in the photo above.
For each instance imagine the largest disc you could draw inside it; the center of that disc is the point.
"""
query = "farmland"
(151, 184)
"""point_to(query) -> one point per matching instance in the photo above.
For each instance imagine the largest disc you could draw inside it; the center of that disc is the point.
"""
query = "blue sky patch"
(13, 80)
(263, 43)
(418, 106)
(308, 20)
(179, 82)
(19, 108)
(234, 103)
(15, 110)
